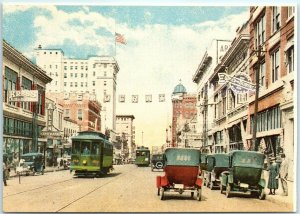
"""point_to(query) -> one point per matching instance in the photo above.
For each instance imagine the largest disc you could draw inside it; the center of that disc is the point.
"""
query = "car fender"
(262, 182)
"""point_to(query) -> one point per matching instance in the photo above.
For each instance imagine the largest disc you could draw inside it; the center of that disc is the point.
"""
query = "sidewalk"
(279, 198)
(47, 169)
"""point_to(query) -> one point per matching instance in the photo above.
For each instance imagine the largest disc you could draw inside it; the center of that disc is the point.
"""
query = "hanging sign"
(23, 96)
(239, 84)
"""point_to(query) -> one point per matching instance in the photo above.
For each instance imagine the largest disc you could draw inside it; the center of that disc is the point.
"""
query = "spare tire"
(159, 165)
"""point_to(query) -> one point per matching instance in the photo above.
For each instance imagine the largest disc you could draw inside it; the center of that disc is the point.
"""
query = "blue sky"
(164, 44)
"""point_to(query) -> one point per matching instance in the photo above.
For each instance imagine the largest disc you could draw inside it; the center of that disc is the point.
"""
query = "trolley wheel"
(228, 190)
(198, 197)
(162, 193)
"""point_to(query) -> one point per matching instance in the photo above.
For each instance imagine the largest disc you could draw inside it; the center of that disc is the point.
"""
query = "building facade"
(97, 75)
(126, 133)
(205, 91)
(230, 108)
(272, 42)
(23, 121)
(80, 107)
(183, 110)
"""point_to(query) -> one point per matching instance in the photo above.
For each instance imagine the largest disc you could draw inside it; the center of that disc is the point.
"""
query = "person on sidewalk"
(283, 173)
(273, 169)
(4, 174)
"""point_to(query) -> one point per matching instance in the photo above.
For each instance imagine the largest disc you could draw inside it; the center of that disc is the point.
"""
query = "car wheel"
(199, 192)
(162, 192)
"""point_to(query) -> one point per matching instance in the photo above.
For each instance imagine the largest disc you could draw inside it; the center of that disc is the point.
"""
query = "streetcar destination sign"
(23, 96)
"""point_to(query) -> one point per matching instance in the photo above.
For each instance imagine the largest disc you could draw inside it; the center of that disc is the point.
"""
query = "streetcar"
(142, 156)
(91, 154)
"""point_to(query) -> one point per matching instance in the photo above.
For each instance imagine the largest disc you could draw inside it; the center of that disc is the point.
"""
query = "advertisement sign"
(239, 84)
(23, 96)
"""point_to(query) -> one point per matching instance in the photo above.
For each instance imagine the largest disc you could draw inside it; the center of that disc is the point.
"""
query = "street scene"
(128, 189)
(149, 108)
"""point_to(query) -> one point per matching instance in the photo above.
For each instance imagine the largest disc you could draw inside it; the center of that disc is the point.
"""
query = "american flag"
(120, 38)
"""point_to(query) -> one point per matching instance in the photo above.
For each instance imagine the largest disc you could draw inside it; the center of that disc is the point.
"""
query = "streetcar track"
(95, 189)
(44, 186)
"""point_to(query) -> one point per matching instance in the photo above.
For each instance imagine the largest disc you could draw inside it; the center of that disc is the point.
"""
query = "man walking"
(283, 173)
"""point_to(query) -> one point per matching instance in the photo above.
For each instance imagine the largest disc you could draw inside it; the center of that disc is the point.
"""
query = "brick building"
(272, 28)
(183, 110)
(80, 107)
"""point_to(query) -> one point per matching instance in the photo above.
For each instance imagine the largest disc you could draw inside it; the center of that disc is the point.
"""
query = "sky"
(165, 44)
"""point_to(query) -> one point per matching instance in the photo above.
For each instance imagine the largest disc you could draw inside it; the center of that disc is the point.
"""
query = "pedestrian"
(273, 169)
(283, 174)
(4, 174)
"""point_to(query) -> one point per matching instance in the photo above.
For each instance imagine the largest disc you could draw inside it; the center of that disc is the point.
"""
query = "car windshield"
(157, 157)
(28, 158)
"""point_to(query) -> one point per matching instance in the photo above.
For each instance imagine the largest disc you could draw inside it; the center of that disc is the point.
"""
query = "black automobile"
(34, 162)
(157, 161)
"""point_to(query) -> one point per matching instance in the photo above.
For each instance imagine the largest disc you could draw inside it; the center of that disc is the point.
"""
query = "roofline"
(130, 116)
(17, 57)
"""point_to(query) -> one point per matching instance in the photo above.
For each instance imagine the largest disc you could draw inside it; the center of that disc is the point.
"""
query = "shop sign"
(23, 96)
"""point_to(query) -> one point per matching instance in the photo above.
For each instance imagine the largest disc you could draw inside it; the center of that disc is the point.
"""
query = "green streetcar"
(92, 154)
(142, 156)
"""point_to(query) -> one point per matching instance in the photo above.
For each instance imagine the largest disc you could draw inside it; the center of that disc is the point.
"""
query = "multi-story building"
(230, 108)
(183, 110)
(80, 107)
(125, 130)
(97, 74)
(205, 96)
(23, 121)
(272, 29)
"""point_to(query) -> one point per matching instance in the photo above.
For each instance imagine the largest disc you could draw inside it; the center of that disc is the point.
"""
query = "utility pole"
(254, 140)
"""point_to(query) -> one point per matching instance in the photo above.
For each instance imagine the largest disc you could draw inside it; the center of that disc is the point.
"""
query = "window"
(290, 59)
(93, 83)
(105, 73)
(65, 67)
(94, 73)
(26, 85)
(86, 75)
(75, 67)
(260, 32)
(65, 84)
(79, 114)
(75, 84)
(275, 65)
(75, 74)
(86, 84)
(262, 75)
(67, 112)
(56, 66)
(291, 11)
(276, 18)
(104, 83)
(71, 74)
(50, 66)
(71, 67)
(71, 84)
(65, 75)
(81, 75)
(81, 84)
(10, 83)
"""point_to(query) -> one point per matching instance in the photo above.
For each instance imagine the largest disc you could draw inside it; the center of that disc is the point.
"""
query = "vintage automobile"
(31, 163)
(182, 173)
(157, 162)
(244, 174)
(216, 164)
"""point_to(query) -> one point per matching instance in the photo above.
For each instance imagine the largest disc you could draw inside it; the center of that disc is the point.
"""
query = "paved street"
(128, 188)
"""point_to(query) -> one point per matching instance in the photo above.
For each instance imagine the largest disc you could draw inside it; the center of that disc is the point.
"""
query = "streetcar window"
(76, 147)
(95, 148)
(85, 148)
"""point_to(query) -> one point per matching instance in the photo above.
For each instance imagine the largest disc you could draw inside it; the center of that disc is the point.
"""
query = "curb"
(46, 170)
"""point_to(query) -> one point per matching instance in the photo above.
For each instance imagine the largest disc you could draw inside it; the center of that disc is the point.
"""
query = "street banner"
(135, 98)
(239, 84)
(148, 98)
(23, 96)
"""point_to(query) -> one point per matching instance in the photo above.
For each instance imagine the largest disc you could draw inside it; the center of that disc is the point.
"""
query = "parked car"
(31, 163)
(244, 174)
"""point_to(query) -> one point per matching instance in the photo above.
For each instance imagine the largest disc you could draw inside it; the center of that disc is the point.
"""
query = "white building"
(97, 74)
(205, 98)
(124, 126)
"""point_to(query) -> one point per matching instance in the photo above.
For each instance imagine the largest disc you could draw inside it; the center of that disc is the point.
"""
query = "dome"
(179, 89)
